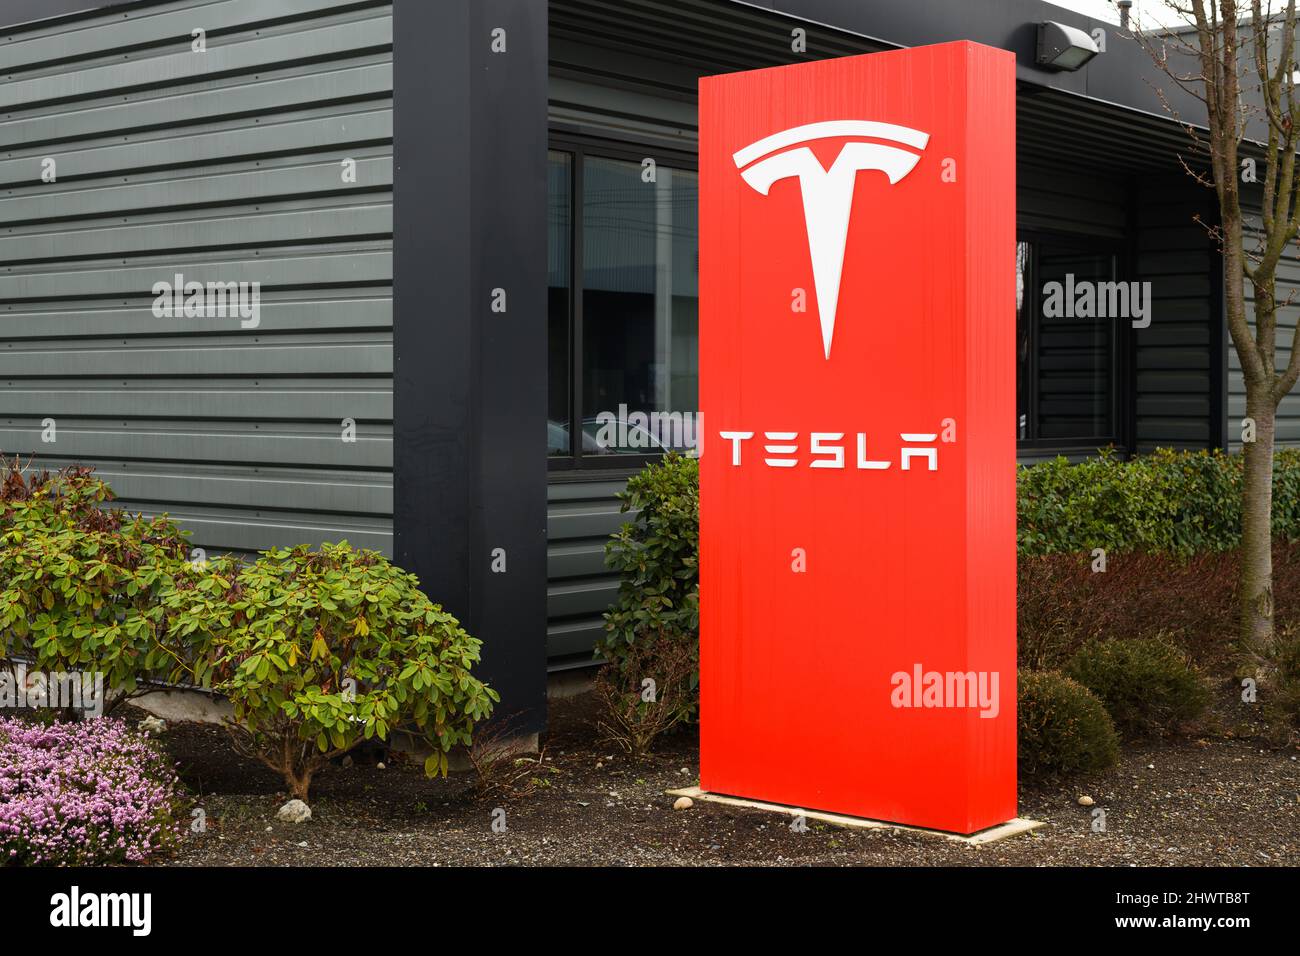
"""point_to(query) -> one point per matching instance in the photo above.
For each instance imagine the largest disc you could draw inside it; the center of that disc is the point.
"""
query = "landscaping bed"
(1220, 799)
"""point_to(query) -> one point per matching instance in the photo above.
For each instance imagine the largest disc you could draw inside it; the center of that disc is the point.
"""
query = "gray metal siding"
(1057, 199)
(1174, 356)
(1288, 285)
(224, 166)
(581, 515)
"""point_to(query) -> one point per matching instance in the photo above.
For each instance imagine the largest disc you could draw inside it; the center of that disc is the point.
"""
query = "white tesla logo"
(828, 193)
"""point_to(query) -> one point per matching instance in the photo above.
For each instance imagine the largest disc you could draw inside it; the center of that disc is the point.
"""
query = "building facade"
(473, 222)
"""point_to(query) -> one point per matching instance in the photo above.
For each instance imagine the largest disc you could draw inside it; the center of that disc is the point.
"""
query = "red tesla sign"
(857, 522)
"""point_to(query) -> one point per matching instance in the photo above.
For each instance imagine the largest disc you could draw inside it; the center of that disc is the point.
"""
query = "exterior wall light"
(1064, 48)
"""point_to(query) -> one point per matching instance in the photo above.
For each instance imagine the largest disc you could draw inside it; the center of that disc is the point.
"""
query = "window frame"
(578, 147)
(1120, 391)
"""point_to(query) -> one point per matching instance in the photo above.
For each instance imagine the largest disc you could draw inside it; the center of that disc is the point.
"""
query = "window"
(623, 308)
(1066, 357)
(623, 316)
(559, 249)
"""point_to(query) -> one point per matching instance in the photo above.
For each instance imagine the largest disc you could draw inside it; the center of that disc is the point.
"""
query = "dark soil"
(1217, 799)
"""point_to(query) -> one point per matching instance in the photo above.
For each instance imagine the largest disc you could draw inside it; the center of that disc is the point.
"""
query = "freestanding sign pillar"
(857, 498)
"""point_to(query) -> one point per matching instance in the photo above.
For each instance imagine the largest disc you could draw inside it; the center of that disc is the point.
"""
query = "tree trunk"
(299, 783)
(1257, 529)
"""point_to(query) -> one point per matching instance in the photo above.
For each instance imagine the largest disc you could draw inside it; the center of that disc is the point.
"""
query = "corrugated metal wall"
(1174, 357)
(224, 166)
(1288, 284)
(581, 515)
(1056, 198)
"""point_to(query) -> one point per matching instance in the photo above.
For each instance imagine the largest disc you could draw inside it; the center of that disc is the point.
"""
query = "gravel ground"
(1215, 800)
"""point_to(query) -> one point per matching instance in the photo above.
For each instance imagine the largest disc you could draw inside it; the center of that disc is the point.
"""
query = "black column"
(469, 384)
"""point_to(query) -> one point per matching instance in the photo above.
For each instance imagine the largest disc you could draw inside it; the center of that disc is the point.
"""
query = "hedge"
(1061, 727)
(1063, 604)
(1167, 502)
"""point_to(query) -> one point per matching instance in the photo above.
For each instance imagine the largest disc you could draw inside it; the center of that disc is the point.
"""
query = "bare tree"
(1248, 89)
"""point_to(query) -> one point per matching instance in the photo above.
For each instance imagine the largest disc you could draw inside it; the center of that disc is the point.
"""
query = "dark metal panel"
(470, 386)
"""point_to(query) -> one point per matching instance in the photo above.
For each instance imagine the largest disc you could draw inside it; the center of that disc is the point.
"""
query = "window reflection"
(1074, 353)
(636, 241)
(1066, 358)
(559, 223)
(639, 307)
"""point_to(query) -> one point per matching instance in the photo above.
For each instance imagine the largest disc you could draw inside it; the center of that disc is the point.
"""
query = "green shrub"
(1061, 727)
(1147, 684)
(657, 554)
(1171, 502)
(81, 583)
(319, 650)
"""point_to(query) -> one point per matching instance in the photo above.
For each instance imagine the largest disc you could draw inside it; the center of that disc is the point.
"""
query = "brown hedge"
(1062, 604)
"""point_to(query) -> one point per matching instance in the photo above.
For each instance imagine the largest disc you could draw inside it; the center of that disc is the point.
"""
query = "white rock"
(295, 811)
(153, 725)
(683, 803)
(380, 766)
(1086, 801)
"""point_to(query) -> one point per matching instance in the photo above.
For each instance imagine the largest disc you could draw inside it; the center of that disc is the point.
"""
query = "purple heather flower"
(88, 792)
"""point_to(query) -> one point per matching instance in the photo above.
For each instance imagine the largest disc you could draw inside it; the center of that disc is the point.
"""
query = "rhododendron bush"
(87, 792)
(320, 650)
(81, 582)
